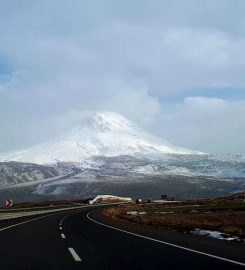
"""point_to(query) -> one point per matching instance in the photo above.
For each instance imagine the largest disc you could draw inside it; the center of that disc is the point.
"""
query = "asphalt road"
(74, 241)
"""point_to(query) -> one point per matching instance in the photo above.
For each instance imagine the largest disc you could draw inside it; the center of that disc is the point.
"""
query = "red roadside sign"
(9, 203)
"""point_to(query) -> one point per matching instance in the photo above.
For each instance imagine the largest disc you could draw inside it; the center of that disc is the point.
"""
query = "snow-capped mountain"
(106, 153)
(98, 134)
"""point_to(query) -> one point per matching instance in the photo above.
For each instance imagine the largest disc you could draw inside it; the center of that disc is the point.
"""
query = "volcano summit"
(98, 134)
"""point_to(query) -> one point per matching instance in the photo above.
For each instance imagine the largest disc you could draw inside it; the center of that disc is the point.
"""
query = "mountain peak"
(105, 120)
(98, 134)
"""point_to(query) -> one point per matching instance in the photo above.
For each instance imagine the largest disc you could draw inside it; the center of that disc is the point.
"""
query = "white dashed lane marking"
(63, 236)
(74, 255)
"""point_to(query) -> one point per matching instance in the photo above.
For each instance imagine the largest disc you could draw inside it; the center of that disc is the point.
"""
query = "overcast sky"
(177, 68)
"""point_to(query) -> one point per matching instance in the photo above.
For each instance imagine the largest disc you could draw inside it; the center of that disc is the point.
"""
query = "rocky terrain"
(12, 173)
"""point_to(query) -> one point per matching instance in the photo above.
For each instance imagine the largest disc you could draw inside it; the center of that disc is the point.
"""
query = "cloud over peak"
(148, 61)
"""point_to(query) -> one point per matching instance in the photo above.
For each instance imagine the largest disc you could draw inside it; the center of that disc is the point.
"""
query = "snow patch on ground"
(216, 235)
(135, 213)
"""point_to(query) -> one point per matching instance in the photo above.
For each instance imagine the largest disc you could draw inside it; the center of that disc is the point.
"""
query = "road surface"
(76, 240)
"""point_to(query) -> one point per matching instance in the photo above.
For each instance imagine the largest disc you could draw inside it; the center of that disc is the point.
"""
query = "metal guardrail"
(11, 221)
(8, 220)
(36, 208)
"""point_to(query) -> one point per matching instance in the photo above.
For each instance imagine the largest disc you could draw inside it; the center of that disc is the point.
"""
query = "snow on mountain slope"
(12, 173)
(98, 134)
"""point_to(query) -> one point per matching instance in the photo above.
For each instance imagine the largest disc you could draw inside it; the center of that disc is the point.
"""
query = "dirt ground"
(225, 215)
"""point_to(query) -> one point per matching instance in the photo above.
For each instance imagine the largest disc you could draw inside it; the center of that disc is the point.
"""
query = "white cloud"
(125, 57)
(208, 124)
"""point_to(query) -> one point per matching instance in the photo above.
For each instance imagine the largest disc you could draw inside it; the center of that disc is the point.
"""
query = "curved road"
(84, 240)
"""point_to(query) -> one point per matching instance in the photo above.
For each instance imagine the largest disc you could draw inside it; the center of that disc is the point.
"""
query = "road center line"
(74, 254)
(63, 236)
(61, 228)
(163, 242)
